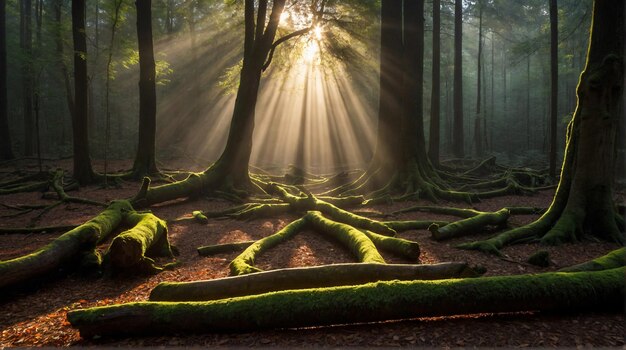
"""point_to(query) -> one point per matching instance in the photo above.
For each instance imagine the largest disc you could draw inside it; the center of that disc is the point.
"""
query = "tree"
(554, 83)
(458, 135)
(6, 151)
(145, 162)
(434, 140)
(478, 140)
(583, 201)
(27, 71)
(230, 171)
(83, 172)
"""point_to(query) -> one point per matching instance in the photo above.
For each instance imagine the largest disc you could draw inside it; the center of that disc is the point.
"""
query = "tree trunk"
(82, 161)
(27, 75)
(554, 84)
(435, 120)
(528, 102)
(388, 153)
(393, 300)
(458, 134)
(6, 150)
(477, 122)
(145, 161)
(304, 278)
(69, 95)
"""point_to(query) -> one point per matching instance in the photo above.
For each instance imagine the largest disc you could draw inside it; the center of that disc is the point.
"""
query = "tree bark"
(304, 278)
(394, 300)
(435, 121)
(82, 161)
(458, 134)
(6, 149)
(145, 161)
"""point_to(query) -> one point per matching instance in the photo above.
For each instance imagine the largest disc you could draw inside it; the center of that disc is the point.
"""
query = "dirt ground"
(38, 317)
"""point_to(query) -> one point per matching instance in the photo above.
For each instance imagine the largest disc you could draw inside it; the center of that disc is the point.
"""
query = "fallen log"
(469, 225)
(380, 301)
(63, 249)
(306, 277)
(131, 250)
(407, 249)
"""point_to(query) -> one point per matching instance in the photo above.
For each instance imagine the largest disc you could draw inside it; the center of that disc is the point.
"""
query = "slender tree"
(478, 139)
(458, 139)
(6, 151)
(26, 43)
(554, 84)
(145, 161)
(82, 161)
(435, 120)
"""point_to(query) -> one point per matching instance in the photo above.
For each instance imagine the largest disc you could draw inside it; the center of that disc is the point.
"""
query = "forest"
(289, 173)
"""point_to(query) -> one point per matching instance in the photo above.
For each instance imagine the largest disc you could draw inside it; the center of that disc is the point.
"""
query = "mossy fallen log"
(64, 249)
(469, 225)
(356, 241)
(224, 248)
(407, 249)
(614, 259)
(380, 301)
(131, 250)
(306, 277)
(243, 264)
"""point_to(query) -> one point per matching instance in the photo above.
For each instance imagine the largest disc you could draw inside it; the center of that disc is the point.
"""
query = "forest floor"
(38, 317)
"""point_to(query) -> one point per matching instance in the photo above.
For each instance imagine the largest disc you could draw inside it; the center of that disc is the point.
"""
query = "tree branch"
(282, 40)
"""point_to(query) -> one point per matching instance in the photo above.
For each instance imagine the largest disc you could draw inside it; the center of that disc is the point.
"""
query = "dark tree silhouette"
(458, 137)
(145, 162)
(435, 101)
(6, 152)
(554, 83)
(83, 172)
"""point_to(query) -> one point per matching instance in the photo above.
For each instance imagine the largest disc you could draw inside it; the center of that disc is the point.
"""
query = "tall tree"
(478, 139)
(145, 161)
(26, 43)
(554, 84)
(6, 151)
(435, 101)
(458, 147)
(583, 202)
(83, 172)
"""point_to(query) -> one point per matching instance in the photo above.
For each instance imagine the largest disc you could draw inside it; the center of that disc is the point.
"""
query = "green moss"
(540, 258)
(614, 259)
(356, 241)
(469, 225)
(242, 264)
(402, 247)
(65, 248)
(391, 300)
(400, 226)
(200, 217)
(224, 248)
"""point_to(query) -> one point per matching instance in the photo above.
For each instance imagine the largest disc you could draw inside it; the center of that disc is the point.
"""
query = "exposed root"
(469, 225)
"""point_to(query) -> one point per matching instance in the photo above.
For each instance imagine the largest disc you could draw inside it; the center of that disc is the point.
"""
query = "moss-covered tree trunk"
(583, 202)
(145, 161)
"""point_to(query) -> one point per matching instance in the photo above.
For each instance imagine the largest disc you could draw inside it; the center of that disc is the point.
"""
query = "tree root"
(40, 229)
(381, 301)
(306, 277)
(469, 225)
(224, 248)
(612, 260)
